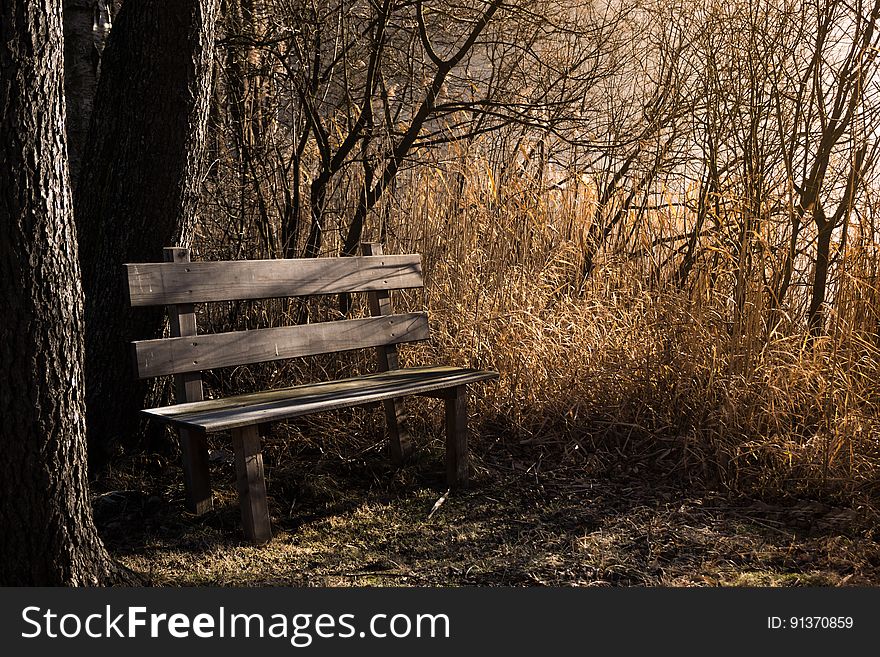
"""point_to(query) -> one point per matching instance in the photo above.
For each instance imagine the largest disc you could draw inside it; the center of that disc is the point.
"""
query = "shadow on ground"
(353, 521)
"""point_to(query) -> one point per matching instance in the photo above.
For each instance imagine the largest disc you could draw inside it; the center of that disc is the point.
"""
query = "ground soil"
(343, 517)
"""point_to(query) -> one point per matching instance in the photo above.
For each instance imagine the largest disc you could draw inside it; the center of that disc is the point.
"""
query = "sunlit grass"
(627, 364)
(704, 380)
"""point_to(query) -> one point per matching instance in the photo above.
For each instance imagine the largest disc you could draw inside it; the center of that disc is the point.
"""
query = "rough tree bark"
(137, 193)
(86, 26)
(49, 537)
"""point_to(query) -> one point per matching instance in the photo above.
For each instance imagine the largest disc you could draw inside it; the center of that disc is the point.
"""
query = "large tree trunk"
(48, 535)
(137, 193)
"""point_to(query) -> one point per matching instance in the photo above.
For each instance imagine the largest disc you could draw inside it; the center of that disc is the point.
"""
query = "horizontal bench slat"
(165, 283)
(203, 352)
(243, 410)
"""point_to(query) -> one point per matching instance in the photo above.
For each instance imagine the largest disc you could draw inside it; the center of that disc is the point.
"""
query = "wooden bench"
(179, 283)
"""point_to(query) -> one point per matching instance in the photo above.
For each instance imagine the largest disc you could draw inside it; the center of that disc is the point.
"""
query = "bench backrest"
(179, 283)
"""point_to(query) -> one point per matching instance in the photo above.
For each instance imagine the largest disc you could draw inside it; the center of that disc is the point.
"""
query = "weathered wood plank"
(251, 484)
(241, 410)
(175, 355)
(188, 388)
(196, 470)
(400, 443)
(155, 283)
(182, 322)
(457, 438)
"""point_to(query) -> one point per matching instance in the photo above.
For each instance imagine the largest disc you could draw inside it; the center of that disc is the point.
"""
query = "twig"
(439, 503)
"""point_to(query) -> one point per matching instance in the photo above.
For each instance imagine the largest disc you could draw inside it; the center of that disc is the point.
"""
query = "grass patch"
(345, 519)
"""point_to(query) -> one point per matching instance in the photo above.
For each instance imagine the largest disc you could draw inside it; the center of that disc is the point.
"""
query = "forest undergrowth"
(641, 431)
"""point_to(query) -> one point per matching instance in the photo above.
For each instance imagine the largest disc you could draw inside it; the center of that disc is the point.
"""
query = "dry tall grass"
(626, 369)
(629, 369)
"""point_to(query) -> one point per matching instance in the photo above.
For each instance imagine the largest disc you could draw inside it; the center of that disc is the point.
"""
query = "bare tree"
(364, 91)
(832, 144)
(783, 140)
(639, 134)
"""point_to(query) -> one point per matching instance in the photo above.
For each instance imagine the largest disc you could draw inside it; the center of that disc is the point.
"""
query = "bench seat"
(180, 284)
(214, 415)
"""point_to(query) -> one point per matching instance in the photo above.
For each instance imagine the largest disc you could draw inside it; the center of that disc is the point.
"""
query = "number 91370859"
(810, 623)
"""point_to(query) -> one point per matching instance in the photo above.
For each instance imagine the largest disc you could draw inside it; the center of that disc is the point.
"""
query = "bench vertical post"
(400, 443)
(251, 484)
(456, 437)
(188, 388)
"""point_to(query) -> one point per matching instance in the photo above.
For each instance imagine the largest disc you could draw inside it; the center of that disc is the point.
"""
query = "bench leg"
(399, 439)
(251, 485)
(196, 474)
(456, 438)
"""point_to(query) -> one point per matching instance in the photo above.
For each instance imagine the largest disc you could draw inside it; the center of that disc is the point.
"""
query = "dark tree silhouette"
(49, 537)
(137, 193)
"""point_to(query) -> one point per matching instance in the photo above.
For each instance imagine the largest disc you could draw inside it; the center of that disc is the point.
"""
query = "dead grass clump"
(628, 368)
